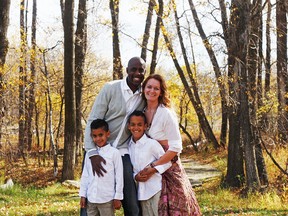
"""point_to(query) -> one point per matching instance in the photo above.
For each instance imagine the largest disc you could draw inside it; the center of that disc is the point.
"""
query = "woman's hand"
(145, 174)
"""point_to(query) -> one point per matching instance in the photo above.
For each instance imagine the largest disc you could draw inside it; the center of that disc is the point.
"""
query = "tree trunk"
(147, 29)
(80, 52)
(117, 65)
(255, 84)
(4, 17)
(31, 102)
(264, 120)
(195, 99)
(159, 11)
(22, 81)
(282, 73)
(53, 147)
(235, 169)
(218, 75)
(69, 88)
(241, 10)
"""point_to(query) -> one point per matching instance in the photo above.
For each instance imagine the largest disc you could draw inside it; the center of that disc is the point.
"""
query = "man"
(116, 100)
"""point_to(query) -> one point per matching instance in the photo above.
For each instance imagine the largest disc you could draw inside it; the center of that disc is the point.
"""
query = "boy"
(103, 194)
(143, 151)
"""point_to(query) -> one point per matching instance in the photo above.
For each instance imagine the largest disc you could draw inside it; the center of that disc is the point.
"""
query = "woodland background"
(233, 97)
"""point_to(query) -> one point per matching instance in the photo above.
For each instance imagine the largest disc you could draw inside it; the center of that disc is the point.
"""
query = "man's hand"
(97, 167)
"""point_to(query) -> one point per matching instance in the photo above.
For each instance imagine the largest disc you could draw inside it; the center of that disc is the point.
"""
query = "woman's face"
(152, 90)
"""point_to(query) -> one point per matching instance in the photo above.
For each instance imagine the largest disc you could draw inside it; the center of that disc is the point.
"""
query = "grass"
(53, 200)
(37, 192)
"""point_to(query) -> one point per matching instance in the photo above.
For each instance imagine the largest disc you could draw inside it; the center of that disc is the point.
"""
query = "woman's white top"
(165, 127)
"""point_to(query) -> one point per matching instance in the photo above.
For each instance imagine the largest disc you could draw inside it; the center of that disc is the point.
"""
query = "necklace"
(150, 116)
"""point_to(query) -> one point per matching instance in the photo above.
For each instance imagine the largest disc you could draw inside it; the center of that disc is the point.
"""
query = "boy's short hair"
(137, 113)
(99, 123)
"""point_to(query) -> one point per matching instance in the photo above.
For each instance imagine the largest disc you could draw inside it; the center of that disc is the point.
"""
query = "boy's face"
(100, 136)
(137, 127)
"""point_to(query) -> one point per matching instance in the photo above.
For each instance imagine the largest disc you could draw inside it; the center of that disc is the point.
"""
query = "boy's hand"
(117, 204)
(83, 202)
(97, 167)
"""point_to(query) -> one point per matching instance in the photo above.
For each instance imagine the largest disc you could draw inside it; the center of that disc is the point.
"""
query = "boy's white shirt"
(105, 188)
(142, 153)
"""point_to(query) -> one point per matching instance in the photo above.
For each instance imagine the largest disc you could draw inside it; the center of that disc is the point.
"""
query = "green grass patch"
(36, 194)
(53, 200)
(228, 202)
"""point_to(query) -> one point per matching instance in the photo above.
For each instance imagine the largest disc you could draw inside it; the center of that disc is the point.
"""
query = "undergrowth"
(38, 192)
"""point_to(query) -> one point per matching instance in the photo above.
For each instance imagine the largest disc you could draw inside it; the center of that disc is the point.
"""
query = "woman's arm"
(168, 156)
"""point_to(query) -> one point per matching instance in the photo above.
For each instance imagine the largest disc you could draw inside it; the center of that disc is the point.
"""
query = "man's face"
(136, 72)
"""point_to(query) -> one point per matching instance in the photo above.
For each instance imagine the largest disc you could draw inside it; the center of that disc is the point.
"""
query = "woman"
(177, 196)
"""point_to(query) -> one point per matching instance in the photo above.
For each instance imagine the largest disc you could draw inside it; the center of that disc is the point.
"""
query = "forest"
(225, 62)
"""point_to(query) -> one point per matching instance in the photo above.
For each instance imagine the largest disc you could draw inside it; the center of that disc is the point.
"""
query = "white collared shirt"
(130, 97)
(105, 188)
(142, 153)
(132, 101)
(165, 127)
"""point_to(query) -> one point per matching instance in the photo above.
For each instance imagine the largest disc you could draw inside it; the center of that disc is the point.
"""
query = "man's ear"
(108, 133)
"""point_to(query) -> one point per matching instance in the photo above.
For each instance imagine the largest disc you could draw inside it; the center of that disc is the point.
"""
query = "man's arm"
(98, 111)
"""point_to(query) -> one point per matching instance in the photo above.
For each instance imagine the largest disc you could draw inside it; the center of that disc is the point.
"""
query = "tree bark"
(218, 75)
(147, 29)
(159, 12)
(80, 52)
(4, 17)
(196, 102)
(282, 73)
(53, 146)
(235, 169)
(31, 100)
(241, 22)
(255, 84)
(22, 81)
(117, 65)
(69, 88)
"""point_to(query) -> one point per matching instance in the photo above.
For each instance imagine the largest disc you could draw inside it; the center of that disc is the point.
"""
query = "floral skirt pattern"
(177, 196)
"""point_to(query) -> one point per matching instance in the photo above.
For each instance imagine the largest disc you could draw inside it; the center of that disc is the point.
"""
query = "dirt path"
(199, 173)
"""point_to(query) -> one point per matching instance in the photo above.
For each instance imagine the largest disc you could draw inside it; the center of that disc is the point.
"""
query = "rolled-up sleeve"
(172, 132)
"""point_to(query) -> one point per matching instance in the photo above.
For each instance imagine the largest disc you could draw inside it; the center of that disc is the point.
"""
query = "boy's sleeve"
(84, 181)
(119, 179)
